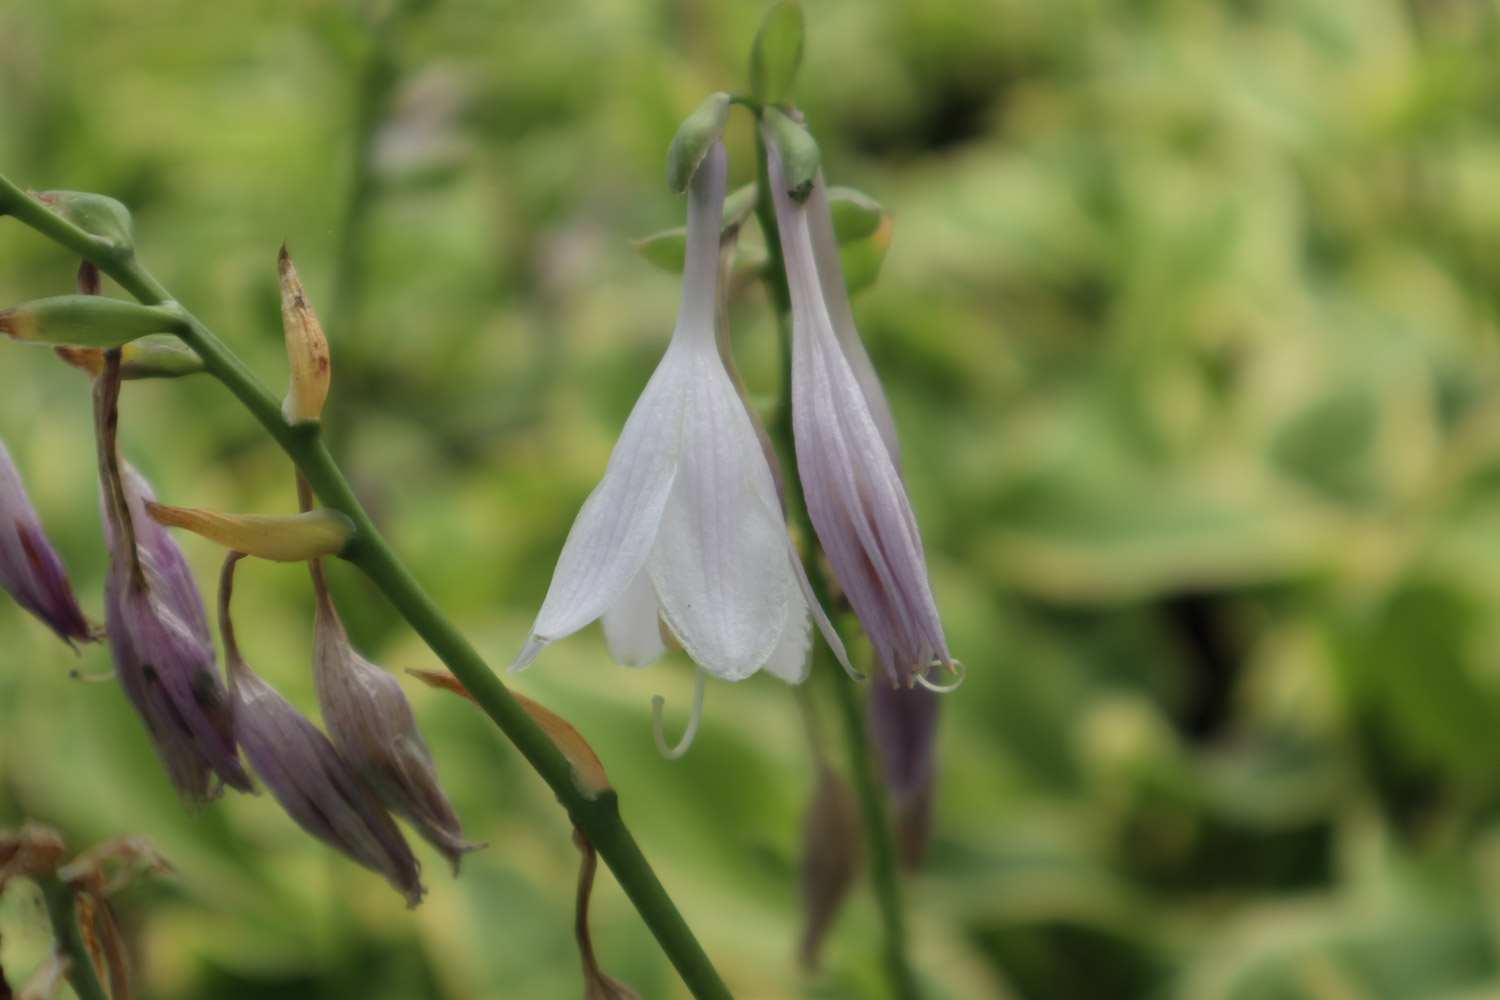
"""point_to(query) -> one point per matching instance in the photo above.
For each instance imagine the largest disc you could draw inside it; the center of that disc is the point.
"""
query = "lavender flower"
(853, 488)
(29, 569)
(306, 774)
(685, 534)
(371, 723)
(159, 638)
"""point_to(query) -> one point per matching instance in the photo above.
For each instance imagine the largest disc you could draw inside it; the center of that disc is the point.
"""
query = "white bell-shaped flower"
(684, 540)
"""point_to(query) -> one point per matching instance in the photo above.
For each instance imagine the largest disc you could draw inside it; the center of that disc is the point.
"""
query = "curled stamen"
(657, 702)
(955, 667)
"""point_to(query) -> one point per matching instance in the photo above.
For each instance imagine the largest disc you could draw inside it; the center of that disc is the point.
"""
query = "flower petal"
(789, 660)
(719, 563)
(632, 625)
(29, 568)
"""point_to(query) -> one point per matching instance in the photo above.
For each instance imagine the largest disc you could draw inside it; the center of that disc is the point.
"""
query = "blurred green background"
(1190, 326)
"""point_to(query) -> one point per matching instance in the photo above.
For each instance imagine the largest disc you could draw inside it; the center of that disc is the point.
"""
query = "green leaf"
(777, 53)
(855, 214)
(695, 137)
(86, 321)
(668, 248)
(95, 214)
(800, 157)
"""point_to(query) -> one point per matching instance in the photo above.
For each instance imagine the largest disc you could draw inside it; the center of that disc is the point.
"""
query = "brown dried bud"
(833, 850)
(306, 347)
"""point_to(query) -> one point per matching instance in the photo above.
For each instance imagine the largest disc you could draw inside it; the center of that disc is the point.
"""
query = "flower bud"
(86, 321)
(854, 214)
(29, 569)
(306, 347)
(95, 214)
(305, 774)
(277, 537)
(139, 359)
(371, 723)
(798, 151)
(158, 632)
(695, 137)
(832, 852)
(904, 728)
(777, 53)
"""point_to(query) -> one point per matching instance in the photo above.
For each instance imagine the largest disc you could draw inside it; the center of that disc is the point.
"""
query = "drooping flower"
(158, 631)
(371, 723)
(306, 774)
(29, 569)
(685, 537)
(854, 493)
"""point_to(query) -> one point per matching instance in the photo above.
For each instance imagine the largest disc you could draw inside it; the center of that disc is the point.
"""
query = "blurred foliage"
(1190, 324)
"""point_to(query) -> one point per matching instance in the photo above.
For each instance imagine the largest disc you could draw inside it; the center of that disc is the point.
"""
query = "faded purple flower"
(29, 568)
(158, 632)
(903, 727)
(307, 775)
(371, 723)
(847, 460)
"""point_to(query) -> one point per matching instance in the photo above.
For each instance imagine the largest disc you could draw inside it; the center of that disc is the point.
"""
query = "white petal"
(836, 301)
(789, 660)
(615, 530)
(719, 565)
(632, 627)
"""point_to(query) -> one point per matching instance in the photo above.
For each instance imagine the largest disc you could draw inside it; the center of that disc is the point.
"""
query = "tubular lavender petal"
(854, 493)
(305, 774)
(29, 568)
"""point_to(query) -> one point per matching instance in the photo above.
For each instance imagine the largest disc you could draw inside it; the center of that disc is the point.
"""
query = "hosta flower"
(29, 569)
(306, 774)
(684, 539)
(847, 460)
(371, 723)
(158, 633)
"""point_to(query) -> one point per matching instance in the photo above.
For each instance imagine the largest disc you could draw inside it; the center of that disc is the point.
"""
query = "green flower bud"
(148, 357)
(861, 258)
(668, 248)
(695, 137)
(777, 54)
(798, 151)
(95, 214)
(86, 321)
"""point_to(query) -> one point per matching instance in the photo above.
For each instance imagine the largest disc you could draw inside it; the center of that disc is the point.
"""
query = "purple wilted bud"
(903, 727)
(306, 774)
(854, 493)
(371, 723)
(159, 639)
(29, 568)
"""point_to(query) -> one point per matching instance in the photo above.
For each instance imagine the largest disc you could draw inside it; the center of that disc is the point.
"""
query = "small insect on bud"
(306, 347)
(277, 537)
(371, 723)
(306, 775)
(29, 569)
(159, 639)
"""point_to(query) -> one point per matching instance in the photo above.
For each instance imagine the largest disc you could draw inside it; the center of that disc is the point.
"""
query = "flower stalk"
(599, 817)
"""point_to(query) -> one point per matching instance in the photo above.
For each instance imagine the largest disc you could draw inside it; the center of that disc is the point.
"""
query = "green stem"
(599, 817)
(62, 909)
(868, 787)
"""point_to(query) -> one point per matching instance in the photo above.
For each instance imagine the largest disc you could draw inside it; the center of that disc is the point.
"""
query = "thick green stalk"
(867, 785)
(599, 817)
(62, 910)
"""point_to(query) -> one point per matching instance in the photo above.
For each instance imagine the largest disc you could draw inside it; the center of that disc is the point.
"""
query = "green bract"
(777, 53)
(855, 214)
(798, 150)
(695, 136)
(86, 321)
